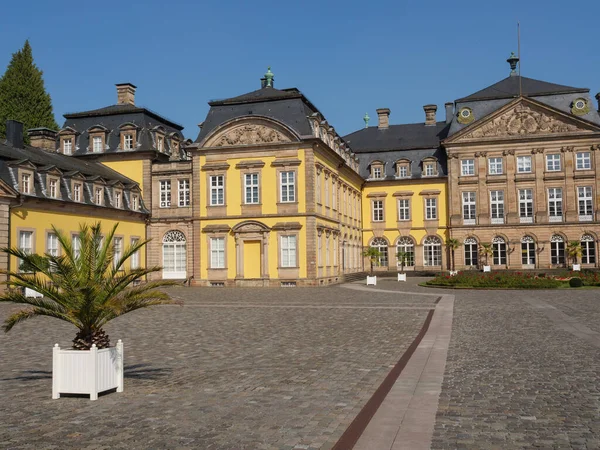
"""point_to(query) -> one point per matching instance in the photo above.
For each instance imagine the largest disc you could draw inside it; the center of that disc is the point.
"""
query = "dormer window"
(53, 188)
(118, 199)
(98, 194)
(67, 146)
(135, 203)
(430, 167)
(128, 141)
(160, 143)
(26, 183)
(77, 187)
(403, 169)
(377, 170)
(97, 144)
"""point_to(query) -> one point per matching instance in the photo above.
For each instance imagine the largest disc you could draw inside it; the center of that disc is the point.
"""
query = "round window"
(580, 104)
(465, 112)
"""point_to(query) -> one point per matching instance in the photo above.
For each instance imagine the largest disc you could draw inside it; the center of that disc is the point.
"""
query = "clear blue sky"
(348, 57)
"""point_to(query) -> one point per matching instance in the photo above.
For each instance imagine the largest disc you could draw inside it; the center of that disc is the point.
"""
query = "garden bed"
(499, 280)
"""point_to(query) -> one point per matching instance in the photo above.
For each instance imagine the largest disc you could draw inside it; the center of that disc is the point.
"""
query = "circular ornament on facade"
(580, 107)
(465, 115)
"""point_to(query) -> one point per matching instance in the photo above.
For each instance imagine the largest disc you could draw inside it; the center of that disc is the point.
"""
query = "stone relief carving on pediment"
(251, 134)
(523, 120)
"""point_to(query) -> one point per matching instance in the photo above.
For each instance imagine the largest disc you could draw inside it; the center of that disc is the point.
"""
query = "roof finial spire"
(269, 77)
(366, 119)
(513, 60)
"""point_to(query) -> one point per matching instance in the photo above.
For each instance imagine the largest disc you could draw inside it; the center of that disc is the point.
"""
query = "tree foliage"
(23, 96)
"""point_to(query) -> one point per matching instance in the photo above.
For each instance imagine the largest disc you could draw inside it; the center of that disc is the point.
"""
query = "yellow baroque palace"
(269, 194)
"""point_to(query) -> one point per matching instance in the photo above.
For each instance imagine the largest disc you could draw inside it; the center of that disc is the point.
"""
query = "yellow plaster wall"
(130, 169)
(40, 222)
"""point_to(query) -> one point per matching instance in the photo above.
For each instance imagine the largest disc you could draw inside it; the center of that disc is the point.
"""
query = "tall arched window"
(407, 247)
(381, 245)
(174, 255)
(499, 247)
(527, 251)
(557, 250)
(432, 251)
(588, 249)
(471, 251)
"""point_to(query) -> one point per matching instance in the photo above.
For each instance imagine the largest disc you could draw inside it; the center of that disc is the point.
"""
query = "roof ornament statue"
(513, 60)
(269, 76)
(366, 119)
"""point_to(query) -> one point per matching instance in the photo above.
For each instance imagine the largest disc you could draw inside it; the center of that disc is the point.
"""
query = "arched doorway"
(174, 255)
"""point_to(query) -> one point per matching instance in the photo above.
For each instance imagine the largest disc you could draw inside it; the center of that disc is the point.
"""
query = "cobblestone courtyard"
(291, 368)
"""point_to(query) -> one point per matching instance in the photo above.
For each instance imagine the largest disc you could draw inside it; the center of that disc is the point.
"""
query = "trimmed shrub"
(575, 282)
(518, 280)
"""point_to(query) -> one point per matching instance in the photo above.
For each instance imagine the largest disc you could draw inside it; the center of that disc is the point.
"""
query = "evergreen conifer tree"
(23, 96)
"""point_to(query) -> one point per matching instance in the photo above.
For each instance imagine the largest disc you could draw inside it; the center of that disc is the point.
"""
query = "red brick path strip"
(358, 425)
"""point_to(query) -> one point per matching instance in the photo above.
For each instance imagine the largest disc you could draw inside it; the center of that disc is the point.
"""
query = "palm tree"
(452, 244)
(402, 259)
(86, 288)
(486, 251)
(373, 254)
(574, 250)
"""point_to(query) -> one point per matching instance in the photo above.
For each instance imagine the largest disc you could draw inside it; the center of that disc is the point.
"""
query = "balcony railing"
(497, 220)
(526, 219)
(586, 217)
(469, 221)
(555, 218)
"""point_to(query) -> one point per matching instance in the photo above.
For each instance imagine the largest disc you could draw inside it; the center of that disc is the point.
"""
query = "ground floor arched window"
(499, 249)
(174, 255)
(588, 249)
(432, 251)
(557, 250)
(406, 247)
(382, 246)
(527, 251)
(471, 251)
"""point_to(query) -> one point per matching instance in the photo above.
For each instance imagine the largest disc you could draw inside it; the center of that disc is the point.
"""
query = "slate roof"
(397, 137)
(260, 95)
(122, 109)
(509, 88)
(44, 160)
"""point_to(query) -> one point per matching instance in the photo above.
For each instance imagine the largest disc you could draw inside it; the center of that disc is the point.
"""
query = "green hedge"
(510, 280)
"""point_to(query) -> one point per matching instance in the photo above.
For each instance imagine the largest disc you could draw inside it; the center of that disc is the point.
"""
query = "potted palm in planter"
(402, 260)
(573, 252)
(86, 288)
(486, 251)
(452, 245)
(373, 254)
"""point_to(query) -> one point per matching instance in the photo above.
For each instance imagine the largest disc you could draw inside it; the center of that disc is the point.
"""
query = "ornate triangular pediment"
(253, 131)
(523, 118)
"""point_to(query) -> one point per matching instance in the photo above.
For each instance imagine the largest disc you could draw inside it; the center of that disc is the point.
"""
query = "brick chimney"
(42, 138)
(430, 114)
(14, 133)
(126, 94)
(383, 114)
(449, 111)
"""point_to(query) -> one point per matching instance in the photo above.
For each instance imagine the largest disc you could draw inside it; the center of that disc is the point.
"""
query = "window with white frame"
(377, 206)
(406, 247)
(526, 205)
(128, 141)
(165, 193)
(497, 206)
(555, 209)
(52, 244)
(499, 251)
(523, 164)
(430, 208)
(403, 209)
(183, 189)
(527, 251)
(429, 169)
(553, 162)
(118, 199)
(134, 261)
(467, 167)
(326, 191)
(381, 246)
(495, 166)
(77, 192)
(53, 188)
(377, 171)
(288, 187)
(583, 161)
(585, 203)
(135, 202)
(318, 188)
(403, 171)
(471, 251)
(217, 190)
(174, 255)
(118, 251)
(251, 196)
(217, 253)
(327, 249)
(432, 251)
(160, 143)
(588, 249)
(26, 183)
(97, 144)
(76, 245)
(288, 251)
(469, 208)
(67, 146)
(333, 194)
(557, 250)
(25, 245)
(98, 195)
(320, 252)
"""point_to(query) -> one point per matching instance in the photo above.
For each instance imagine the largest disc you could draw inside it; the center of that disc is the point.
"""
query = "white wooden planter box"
(401, 277)
(453, 273)
(372, 280)
(487, 268)
(87, 371)
(576, 267)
